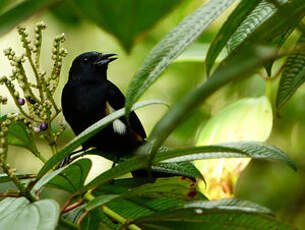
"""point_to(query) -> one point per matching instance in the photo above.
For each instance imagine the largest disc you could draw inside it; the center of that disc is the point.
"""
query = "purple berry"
(31, 100)
(21, 101)
(43, 126)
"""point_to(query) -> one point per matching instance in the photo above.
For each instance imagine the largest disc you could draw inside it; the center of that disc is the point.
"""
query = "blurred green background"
(270, 184)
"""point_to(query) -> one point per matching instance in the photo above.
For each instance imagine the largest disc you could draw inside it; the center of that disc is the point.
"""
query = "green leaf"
(121, 186)
(121, 169)
(94, 221)
(242, 64)
(135, 207)
(4, 177)
(174, 187)
(127, 20)
(259, 15)
(227, 30)
(263, 17)
(20, 214)
(4, 4)
(87, 133)
(70, 17)
(11, 18)
(197, 52)
(255, 150)
(223, 214)
(73, 177)
(228, 204)
(18, 136)
(171, 46)
(182, 169)
(293, 75)
(272, 28)
(69, 178)
(179, 169)
(127, 166)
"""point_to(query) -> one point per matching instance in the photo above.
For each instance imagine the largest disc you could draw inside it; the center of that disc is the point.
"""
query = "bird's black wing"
(116, 99)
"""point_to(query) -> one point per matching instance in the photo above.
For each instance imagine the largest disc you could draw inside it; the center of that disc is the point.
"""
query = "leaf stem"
(36, 76)
(11, 91)
(69, 224)
(39, 156)
(88, 196)
(16, 181)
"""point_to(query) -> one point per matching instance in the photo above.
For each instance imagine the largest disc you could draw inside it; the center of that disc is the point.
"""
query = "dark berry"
(43, 126)
(21, 101)
(31, 100)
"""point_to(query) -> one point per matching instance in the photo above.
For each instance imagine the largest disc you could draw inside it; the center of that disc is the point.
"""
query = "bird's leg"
(69, 159)
(116, 160)
(83, 150)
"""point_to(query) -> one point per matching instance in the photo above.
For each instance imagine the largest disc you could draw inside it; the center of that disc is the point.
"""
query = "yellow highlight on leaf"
(249, 119)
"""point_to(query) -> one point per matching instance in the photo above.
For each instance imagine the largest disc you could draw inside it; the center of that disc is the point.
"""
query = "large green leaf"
(210, 215)
(181, 169)
(293, 75)
(70, 17)
(70, 178)
(135, 207)
(270, 26)
(125, 19)
(4, 4)
(87, 133)
(229, 150)
(12, 17)
(94, 221)
(171, 46)
(197, 52)
(121, 169)
(262, 13)
(20, 214)
(174, 187)
(255, 150)
(258, 16)
(73, 177)
(229, 27)
(240, 65)
(178, 169)
(18, 136)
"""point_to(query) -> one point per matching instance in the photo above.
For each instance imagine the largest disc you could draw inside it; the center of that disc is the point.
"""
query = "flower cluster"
(35, 100)
(58, 54)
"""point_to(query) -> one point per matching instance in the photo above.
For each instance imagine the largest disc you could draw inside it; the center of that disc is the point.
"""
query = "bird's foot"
(116, 160)
(69, 159)
(64, 162)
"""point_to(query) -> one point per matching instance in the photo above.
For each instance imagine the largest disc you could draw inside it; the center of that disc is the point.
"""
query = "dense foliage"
(253, 35)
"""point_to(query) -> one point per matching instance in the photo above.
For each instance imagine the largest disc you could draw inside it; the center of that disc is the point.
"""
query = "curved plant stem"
(115, 216)
(68, 224)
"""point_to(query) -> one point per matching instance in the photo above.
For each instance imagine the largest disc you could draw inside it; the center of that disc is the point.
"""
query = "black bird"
(88, 97)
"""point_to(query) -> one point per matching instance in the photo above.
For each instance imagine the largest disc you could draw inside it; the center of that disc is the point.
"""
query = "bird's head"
(91, 64)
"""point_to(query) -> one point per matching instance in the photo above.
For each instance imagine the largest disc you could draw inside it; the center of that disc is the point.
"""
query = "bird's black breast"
(86, 103)
(83, 104)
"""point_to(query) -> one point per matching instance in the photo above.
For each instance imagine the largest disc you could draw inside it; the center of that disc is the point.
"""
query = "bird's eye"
(85, 60)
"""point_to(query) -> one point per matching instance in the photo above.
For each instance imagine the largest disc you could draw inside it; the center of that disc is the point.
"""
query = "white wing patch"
(117, 125)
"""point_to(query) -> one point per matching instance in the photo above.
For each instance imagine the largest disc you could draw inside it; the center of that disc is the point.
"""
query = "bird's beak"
(105, 59)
